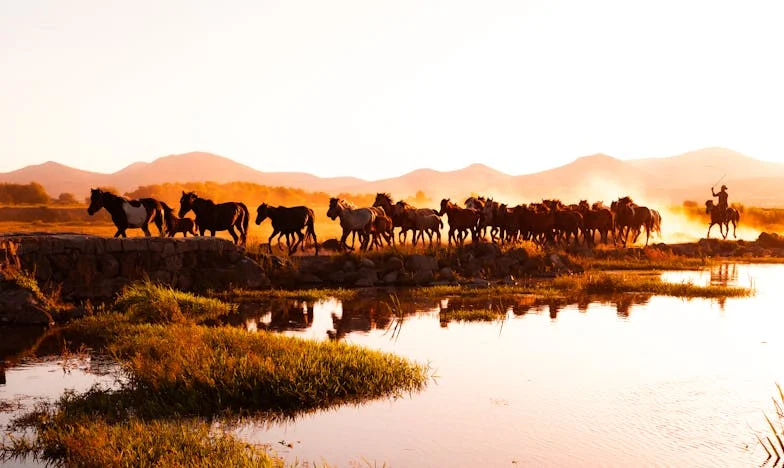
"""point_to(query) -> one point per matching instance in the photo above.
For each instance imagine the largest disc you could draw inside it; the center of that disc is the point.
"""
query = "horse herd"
(549, 222)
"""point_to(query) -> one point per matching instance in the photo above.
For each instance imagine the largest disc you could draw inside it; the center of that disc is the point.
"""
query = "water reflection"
(558, 382)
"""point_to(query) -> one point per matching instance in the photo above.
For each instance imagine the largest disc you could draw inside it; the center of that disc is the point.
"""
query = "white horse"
(352, 219)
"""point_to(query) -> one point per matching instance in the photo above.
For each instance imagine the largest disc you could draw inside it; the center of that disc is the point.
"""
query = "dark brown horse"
(128, 213)
(288, 221)
(175, 224)
(597, 218)
(460, 220)
(217, 217)
(722, 217)
(624, 218)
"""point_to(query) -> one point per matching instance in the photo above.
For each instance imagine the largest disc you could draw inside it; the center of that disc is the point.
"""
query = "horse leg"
(269, 241)
(709, 229)
(300, 238)
(146, 230)
(343, 239)
(233, 235)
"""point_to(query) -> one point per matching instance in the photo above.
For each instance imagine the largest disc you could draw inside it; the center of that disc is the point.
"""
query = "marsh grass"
(87, 441)
(204, 371)
(595, 283)
(148, 302)
(473, 315)
(613, 283)
(297, 294)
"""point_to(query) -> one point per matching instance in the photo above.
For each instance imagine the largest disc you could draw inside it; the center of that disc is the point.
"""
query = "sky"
(376, 89)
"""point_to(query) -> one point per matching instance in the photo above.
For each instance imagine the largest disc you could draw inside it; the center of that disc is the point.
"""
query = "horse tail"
(245, 220)
(311, 231)
(158, 218)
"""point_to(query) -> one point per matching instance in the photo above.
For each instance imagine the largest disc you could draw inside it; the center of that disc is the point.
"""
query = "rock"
(446, 273)
(337, 277)
(367, 263)
(423, 277)
(390, 278)
(418, 263)
(478, 283)
(19, 306)
(393, 264)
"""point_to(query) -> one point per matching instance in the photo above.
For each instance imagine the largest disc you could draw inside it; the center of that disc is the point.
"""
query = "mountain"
(672, 179)
(57, 178)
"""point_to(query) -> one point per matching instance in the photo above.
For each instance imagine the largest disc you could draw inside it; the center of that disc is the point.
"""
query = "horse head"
(444, 205)
(96, 201)
(708, 206)
(261, 213)
(335, 208)
(186, 202)
(383, 200)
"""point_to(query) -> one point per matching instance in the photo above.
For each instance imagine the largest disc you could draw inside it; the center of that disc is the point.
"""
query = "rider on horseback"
(722, 197)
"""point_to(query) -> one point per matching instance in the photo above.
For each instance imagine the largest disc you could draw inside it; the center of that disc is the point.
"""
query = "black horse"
(217, 217)
(128, 213)
(288, 220)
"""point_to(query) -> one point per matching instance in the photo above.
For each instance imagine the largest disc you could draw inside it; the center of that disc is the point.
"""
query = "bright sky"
(376, 89)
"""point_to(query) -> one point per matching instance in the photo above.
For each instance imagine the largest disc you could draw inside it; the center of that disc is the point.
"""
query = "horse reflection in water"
(724, 274)
(284, 315)
(364, 314)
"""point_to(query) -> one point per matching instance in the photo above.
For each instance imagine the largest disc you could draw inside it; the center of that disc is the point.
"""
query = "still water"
(623, 381)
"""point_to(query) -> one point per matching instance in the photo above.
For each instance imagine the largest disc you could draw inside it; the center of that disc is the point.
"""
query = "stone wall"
(92, 267)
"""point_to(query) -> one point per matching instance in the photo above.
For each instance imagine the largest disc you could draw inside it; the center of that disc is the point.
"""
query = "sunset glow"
(377, 89)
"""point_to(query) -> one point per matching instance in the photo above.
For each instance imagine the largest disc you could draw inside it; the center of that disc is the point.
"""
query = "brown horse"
(217, 217)
(175, 224)
(624, 218)
(460, 220)
(597, 218)
(723, 218)
(288, 221)
(400, 214)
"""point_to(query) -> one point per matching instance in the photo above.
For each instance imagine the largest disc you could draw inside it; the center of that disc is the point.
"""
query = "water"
(630, 381)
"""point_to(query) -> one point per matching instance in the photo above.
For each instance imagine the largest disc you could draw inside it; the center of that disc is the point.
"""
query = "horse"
(459, 219)
(288, 220)
(722, 217)
(399, 212)
(430, 224)
(175, 224)
(624, 218)
(352, 219)
(598, 218)
(217, 217)
(127, 213)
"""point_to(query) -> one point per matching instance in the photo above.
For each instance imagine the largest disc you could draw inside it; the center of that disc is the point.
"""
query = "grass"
(608, 283)
(298, 294)
(473, 315)
(94, 442)
(175, 368)
(594, 283)
(148, 302)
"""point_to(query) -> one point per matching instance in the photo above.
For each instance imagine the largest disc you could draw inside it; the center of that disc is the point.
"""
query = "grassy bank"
(593, 283)
(176, 368)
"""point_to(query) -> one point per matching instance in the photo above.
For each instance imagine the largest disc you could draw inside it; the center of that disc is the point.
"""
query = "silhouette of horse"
(597, 218)
(430, 224)
(624, 218)
(128, 213)
(352, 219)
(400, 213)
(217, 217)
(288, 220)
(460, 220)
(723, 218)
(175, 224)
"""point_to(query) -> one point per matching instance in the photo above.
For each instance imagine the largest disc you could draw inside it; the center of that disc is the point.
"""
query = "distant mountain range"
(672, 179)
